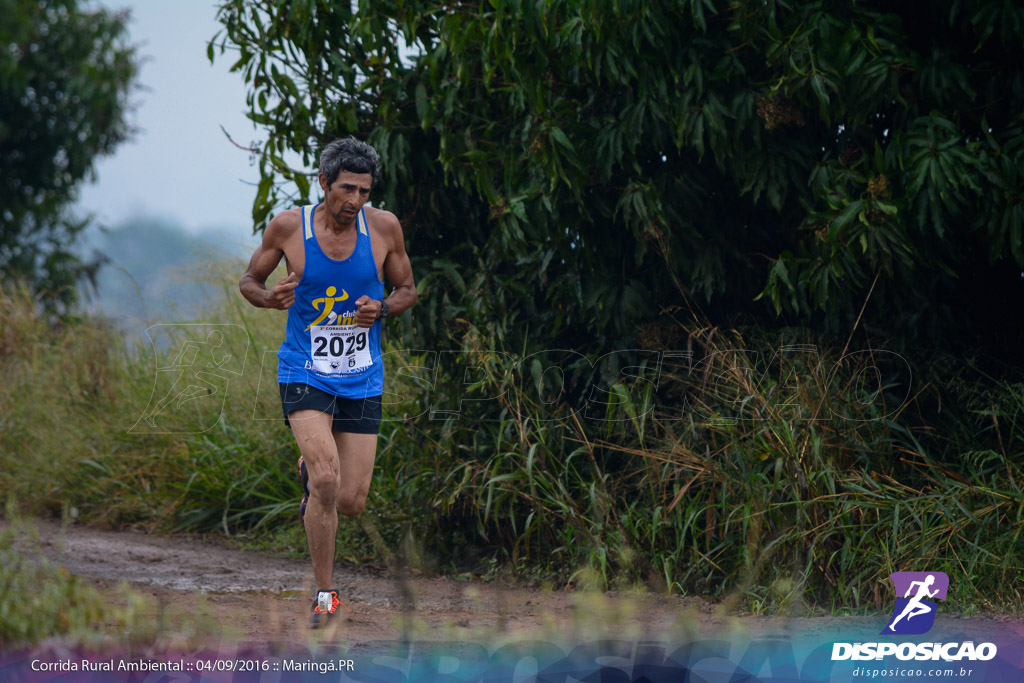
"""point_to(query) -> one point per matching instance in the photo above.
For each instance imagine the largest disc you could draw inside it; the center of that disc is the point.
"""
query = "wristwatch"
(384, 308)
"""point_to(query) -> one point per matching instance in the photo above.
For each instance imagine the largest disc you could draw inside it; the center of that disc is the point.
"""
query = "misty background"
(177, 197)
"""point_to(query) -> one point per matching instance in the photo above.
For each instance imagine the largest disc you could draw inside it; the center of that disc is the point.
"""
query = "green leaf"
(846, 216)
(561, 139)
(818, 85)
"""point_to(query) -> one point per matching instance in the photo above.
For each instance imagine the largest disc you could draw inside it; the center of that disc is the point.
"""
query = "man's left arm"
(397, 272)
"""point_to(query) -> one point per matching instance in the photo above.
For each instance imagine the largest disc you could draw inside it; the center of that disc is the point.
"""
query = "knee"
(351, 505)
(324, 486)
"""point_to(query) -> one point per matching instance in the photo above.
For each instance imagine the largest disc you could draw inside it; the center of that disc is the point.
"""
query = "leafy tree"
(65, 74)
(569, 169)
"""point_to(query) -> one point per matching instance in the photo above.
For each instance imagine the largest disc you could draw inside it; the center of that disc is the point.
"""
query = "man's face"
(346, 195)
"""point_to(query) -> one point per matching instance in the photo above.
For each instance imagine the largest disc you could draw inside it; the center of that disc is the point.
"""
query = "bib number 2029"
(340, 348)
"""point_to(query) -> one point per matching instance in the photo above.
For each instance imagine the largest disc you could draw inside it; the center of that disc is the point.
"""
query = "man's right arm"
(263, 262)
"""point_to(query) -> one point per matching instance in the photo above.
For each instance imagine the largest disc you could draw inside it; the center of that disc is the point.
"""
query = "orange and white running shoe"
(325, 606)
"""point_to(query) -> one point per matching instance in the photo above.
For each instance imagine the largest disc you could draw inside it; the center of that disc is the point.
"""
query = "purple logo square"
(914, 611)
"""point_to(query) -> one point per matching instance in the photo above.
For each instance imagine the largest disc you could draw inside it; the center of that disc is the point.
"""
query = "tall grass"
(769, 476)
(776, 479)
(76, 441)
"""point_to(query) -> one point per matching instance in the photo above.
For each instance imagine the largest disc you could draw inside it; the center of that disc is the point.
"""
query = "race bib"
(340, 348)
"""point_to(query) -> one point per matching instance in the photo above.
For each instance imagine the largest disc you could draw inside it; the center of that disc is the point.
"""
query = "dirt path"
(265, 600)
(244, 597)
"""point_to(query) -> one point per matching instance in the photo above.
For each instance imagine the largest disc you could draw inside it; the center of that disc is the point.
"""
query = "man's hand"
(369, 311)
(282, 296)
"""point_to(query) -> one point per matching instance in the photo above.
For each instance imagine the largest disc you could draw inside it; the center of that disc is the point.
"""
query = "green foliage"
(65, 74)
(766, 476)
(39, 600)
(115, 469)
(596, 160)
(583, 175)
(82, 383)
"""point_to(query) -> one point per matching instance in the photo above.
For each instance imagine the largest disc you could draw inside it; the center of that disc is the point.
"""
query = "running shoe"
(325, 606)
(304, 478)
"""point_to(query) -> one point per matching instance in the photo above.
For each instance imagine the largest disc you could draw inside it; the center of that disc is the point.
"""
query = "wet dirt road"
(245, 597)
(266, 600)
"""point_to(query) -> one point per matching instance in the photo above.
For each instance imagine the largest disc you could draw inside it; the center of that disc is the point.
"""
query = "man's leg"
(312, 431)
(356, 455)
(920, 609)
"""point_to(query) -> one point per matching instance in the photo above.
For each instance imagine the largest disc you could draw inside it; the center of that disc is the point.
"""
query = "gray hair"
(351, 155)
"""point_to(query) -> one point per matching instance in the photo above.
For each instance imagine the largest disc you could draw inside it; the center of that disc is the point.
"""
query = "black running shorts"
(355, 415)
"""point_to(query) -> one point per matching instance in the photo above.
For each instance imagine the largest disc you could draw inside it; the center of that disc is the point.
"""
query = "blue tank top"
(323, 347)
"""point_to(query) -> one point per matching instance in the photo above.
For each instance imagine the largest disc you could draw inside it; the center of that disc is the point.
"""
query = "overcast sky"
(179, 166)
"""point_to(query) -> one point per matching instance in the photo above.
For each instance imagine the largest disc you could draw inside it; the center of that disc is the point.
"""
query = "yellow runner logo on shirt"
(328, 305)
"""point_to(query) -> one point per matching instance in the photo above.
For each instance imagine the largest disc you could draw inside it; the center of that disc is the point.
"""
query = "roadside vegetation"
(753, 468)
(41, 601)
(37, 599)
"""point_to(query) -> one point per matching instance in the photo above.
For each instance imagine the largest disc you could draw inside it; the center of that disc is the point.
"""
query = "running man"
(915, 607)
(337, 253)
(198, 383)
